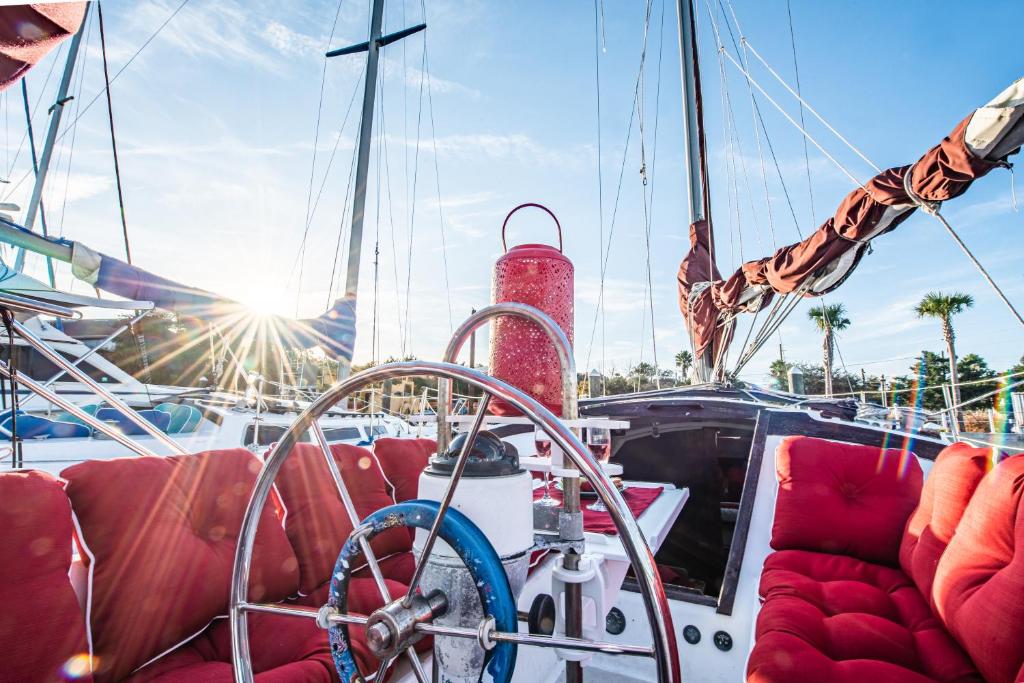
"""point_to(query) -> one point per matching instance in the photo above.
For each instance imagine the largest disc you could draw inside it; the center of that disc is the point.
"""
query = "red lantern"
(521, 353)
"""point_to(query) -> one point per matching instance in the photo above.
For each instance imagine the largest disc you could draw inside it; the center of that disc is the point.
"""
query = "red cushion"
(283, 649)
(403, 461)
(979, 583)
(316, 521)
(953, 478)
(835, 618)
(43, 626)
(160, 536)
(844, 498)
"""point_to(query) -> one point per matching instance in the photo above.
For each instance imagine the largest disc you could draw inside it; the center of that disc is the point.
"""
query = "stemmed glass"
(599, 441)
(543, 444)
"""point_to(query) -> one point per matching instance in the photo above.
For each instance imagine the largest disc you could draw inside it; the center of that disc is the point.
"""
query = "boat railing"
(13, 303)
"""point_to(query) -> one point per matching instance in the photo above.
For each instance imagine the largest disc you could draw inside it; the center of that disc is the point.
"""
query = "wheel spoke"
(417, 666)
(382, 670)
(350, 509)
(283, 610)
(449, 493)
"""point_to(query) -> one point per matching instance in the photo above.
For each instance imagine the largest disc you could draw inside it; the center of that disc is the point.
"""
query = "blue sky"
(216, 119)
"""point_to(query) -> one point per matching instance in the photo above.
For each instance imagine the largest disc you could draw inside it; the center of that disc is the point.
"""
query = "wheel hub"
(392, 628)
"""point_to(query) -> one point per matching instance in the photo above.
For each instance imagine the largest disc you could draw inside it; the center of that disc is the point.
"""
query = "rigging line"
(316, 137)
(394, 244)
(412, 207)
(796, 72)
(437, 181)
(74, 132)
(113, 136)
(35, 169)
(375, 330)
(24, 136)
(811, 109)
(768, 140)
(649, 201)
(618, 191)
(735, 142)
(598, 40)
(127, 64)
(789, 118)
(341, 229)
(299, 256)
(757, 134)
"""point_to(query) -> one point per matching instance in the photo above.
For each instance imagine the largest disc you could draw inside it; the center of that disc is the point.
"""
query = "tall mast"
(693, 116)
(372, 48)
(56, 111)
(695, 146)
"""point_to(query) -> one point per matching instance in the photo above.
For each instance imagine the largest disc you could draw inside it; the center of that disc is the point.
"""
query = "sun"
(265, 302)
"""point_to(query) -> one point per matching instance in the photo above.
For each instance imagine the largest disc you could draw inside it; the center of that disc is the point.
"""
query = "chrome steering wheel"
(663, 648)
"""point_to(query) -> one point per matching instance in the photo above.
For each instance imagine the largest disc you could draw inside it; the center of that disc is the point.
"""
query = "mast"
(372, 49)
(696, 151)
(56, 112)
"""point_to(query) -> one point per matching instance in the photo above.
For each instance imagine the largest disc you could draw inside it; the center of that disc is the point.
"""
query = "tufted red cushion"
(843, 498)
(839, 619)
(403, 460)
(316, 521)
(953, 478)
(160, 535)
(43, 626)
(979, 583)
(283, 649)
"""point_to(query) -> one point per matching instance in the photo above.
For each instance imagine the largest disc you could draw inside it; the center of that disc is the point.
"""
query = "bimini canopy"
(820, 263)
(29, 32)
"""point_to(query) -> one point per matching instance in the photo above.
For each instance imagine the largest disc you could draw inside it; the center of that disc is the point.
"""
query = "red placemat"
(638, 499)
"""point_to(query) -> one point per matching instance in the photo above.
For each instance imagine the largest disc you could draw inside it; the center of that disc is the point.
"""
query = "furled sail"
(29, 32)
(823, 261)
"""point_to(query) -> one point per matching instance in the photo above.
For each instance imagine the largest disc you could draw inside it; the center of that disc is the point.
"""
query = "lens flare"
(79, 666)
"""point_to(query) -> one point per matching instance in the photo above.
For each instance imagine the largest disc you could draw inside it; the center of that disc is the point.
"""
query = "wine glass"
(599, 441)
(543, 444)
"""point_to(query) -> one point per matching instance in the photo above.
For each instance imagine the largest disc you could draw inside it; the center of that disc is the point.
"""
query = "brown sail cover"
(945, 172)
(29, 32)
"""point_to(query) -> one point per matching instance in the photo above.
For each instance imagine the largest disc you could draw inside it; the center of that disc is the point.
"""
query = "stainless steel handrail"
(655, 600)
(57, 399)
(566, 360)
(24, 304)
(62, 362)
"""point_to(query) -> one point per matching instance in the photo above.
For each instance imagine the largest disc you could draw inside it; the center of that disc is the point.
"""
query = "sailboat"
(717, 533)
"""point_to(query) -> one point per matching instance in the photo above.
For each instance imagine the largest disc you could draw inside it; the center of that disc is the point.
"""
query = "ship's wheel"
(392, 630)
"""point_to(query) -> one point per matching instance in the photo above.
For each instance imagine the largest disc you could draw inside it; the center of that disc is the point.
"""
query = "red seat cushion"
(159, 534)
(43, 626)
(950, 484)
(979, 583)
(316, 521)
(283, 649)
(835, 618)
(844, 498)
(403, 461)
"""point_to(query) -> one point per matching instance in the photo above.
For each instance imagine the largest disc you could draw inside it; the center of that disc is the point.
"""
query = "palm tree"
(684, 361)
(830, 318)
(944, 307)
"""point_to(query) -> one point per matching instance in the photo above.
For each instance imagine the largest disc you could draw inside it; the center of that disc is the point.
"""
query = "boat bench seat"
(878, 577)
(157, 538)
(41, 623)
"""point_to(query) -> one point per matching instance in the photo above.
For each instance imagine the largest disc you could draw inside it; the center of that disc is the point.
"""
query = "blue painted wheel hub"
(476, 552)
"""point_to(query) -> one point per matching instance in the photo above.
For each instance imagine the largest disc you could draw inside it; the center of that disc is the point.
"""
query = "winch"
(496, 493)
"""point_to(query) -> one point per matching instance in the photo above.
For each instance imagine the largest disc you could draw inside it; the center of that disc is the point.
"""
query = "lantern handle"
(504, 244)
